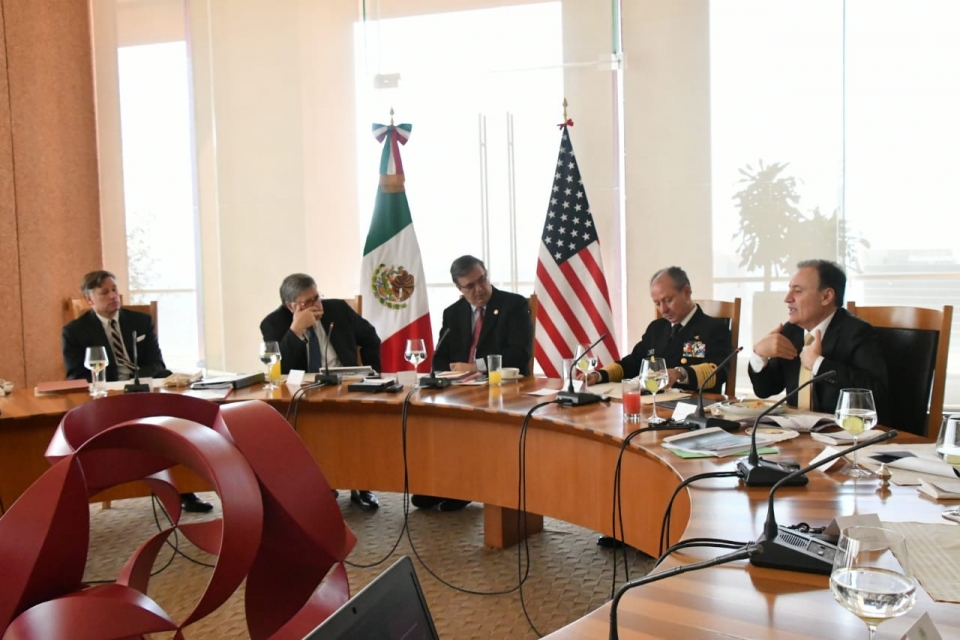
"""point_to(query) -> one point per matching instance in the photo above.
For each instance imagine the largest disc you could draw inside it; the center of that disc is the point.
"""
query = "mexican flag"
(392, 273)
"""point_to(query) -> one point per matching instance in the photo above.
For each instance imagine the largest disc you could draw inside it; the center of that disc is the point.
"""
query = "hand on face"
(810, 353)
(303, 319)
(775, 345)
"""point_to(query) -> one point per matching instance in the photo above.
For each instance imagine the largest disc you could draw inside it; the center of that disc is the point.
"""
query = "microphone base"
(704, 422)
(766, 473)
(575, 399)
(433, 382)
(136, 387)
(328, 378)
(795, 551)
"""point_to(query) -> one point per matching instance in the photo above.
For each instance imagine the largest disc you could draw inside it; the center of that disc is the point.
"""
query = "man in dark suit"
(314, 333)
(108, 325)
(691, 342)
(820, 336)
(482, 322)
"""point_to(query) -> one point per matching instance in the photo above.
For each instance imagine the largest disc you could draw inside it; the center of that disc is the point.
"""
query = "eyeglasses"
(306, 304)
(470, 286)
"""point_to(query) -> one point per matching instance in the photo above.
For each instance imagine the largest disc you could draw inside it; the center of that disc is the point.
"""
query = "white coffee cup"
(510, 372)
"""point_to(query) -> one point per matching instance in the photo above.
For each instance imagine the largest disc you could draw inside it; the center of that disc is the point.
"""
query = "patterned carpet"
(569, 574)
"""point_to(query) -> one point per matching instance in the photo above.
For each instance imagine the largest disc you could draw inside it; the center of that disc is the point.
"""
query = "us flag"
(572, 297)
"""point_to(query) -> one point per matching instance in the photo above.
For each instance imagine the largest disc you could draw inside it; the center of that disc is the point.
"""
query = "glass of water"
(871, 575)
(95, 359)
(856, 413)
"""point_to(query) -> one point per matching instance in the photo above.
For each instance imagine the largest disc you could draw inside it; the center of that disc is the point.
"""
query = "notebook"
(392, 607)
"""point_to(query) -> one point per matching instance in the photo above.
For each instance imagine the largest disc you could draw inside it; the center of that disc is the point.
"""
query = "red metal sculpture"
(281, 529)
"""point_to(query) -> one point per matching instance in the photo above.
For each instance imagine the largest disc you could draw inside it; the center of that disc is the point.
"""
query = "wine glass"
(871, 575)
(856, 413)
(270, 357)
(586, 362)
(415, 353)
(95, 359)
(654, 374)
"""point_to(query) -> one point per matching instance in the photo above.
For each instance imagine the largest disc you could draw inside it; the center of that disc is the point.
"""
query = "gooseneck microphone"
(700, 418)
(757, 472)
(573, 398)
(326, 377)
(136, 386)
(783, 548)
(432, 381)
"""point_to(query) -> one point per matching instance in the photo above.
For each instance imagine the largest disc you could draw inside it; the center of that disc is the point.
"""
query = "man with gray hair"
(314, 333)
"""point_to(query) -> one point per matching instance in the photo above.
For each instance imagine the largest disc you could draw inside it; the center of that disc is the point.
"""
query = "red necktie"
(476, 335)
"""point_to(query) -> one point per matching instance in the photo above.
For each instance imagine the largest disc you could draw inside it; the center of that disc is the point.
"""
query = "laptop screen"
(392, 607)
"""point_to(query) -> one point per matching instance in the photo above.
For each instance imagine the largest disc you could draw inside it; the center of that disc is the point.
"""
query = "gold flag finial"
(565, 118)
(391, 116)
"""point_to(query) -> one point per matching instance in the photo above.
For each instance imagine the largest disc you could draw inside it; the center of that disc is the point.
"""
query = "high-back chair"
(727, 311)
(533, 305)
(914, 342)
(79, 306)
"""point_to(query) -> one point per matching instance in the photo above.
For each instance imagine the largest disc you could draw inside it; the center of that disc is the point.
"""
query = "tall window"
(480, 159)
(159, 192)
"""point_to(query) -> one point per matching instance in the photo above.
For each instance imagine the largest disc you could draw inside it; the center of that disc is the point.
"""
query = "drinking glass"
(856, 413)
(95, 359)
(586, 361)
(871, 575)
(270, 357)
(494, 369)
(630, 392)
(654, 374)
(415, 353)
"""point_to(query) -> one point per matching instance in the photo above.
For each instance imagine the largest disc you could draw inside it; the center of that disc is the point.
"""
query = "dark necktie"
(313, 351)
(675, 330)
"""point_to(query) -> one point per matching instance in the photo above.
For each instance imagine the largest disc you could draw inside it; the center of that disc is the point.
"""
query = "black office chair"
(914, 342)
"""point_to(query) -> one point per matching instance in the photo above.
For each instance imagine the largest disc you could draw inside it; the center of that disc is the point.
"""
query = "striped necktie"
(124, 366)
(804, 399)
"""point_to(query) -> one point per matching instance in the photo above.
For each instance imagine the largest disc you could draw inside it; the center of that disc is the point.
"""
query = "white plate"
(511, 376)
(747, 408)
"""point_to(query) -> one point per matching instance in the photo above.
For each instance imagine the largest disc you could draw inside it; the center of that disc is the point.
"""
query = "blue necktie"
(313, 351)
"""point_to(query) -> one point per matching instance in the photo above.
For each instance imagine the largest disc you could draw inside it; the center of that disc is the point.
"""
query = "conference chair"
(728, 311)
(914, 342)
(356, 303)
(79, 306)
(533, 305)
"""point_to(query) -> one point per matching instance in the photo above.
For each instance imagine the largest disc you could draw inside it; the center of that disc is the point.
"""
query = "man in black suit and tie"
(314, 334)
(691, 342)
(820, 336)
(484, 321)
(108, 325)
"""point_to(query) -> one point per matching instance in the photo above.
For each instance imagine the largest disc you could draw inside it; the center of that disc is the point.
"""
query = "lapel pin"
(496, 311)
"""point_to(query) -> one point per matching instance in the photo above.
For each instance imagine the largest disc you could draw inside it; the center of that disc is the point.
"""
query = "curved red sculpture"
(281, 529)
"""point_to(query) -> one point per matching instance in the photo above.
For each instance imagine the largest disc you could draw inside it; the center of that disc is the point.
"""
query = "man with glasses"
(314, 334)
(484, 321)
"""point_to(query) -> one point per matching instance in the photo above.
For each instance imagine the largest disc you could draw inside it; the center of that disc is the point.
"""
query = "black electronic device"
(699, 417)
(757, 472)
(136, 386)
(573, 398)
(432, 381)
(784, 548)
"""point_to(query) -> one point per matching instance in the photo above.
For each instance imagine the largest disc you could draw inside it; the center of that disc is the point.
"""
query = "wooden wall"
(49, 190)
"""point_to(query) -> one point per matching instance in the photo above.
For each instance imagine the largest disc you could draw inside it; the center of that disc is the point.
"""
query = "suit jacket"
(350, 331)
(850, 348)
(87, 331)
(704, 339)
(507, 330)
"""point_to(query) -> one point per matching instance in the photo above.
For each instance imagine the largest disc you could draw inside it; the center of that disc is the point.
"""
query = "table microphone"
(573, 398)
(432, 381)
(136, 386)
(700, 418)
(757, 472)
(326, 377)
(784, 548)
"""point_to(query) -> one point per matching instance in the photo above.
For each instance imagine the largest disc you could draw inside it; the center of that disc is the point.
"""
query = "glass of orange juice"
(494, 369)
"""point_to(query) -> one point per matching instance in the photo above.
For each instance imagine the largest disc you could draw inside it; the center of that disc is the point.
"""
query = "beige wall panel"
(11, 323)
(55, 160)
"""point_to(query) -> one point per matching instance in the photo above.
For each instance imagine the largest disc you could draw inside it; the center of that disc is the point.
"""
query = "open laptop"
(392, 607)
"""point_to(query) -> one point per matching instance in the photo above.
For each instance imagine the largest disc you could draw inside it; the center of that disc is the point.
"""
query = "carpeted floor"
(569, 574)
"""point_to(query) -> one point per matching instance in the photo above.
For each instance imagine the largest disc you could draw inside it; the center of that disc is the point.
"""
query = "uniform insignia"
(694, 349)
(496, 311)
(683, 361)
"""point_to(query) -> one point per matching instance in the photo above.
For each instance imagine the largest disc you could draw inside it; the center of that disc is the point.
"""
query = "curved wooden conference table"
(463, 442)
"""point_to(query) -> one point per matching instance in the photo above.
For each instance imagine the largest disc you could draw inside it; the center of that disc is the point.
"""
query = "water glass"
(95, 359)
(948, 440)
(494, 372)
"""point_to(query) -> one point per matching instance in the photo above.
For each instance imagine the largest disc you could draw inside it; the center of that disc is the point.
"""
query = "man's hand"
(303, 319)
(810, 353)
(463, 366)
(592, 378)
(775, 345)
(674, 376)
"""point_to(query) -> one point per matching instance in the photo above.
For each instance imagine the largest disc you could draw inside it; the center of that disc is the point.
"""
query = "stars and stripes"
(572, 296)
